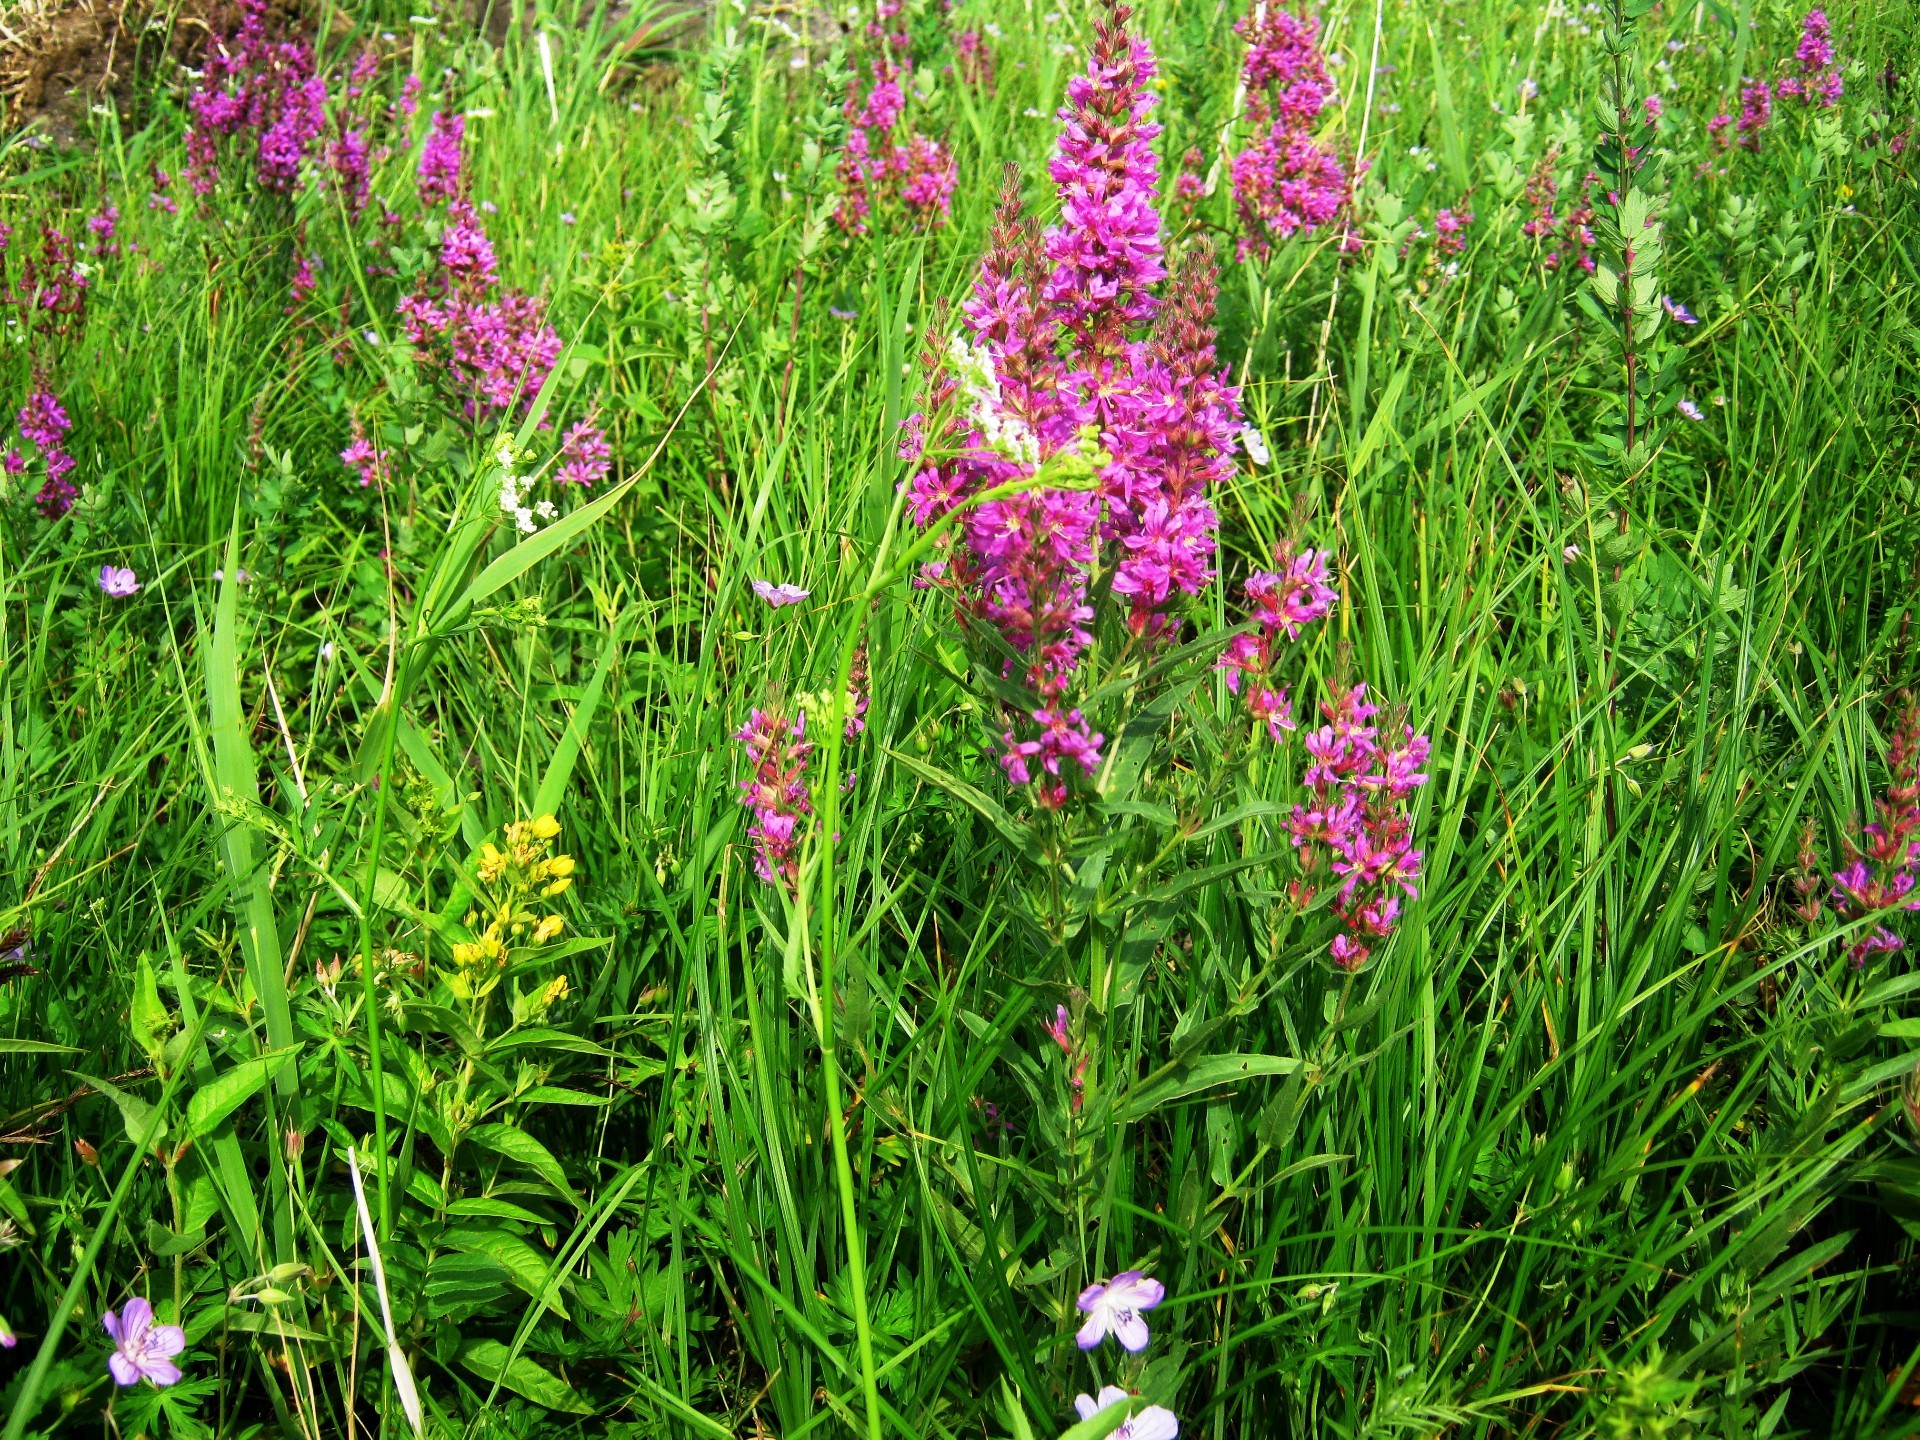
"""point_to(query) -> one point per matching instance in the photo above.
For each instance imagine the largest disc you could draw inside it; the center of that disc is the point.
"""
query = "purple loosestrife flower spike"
(1116, 1309)
(438, 177)
(1152, 1423)
(778, 595)
(1105, 251)
(142, 1350)
(117, 582)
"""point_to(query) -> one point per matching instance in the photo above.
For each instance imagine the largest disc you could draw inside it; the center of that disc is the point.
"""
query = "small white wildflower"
(1255, 444)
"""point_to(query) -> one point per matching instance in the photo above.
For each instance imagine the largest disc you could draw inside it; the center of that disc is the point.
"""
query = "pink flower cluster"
(254, 86)
(44, 423)
(1447, 228)
(585, 456)
(493, 342)
(1574, 234)
(1818, 81)
(50, 292)
(1356, 829)
(1285, 602)
(973, 58)
(1880, 874)
(1756, 109)
(365, 457)
(776, 791)
(438, 177)
(885, 158)
(1285, 182)
(1068, 357)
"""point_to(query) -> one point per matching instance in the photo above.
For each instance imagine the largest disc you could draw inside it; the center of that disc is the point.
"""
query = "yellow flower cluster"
(525, 872)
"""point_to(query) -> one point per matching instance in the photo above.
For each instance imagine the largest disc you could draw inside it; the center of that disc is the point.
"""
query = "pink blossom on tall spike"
(304, 282)
(1105, 249)
(364, 457)
(931, 176)
(1284, 182)
(438, 175)
(776, 792)
(464, 247)
(409, 101)
(352, 171)
(1448, 226)
(1756, 109)
(585, 455)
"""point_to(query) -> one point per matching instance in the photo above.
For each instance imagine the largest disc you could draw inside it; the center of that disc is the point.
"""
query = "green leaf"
(136, 1114)
(512, 1252)
(1205, 1073)
(553, 785)
(491, 1360)
(973, 797)
(213, 1103)
(516, 1145)
(36, 1047)
(148, 1019)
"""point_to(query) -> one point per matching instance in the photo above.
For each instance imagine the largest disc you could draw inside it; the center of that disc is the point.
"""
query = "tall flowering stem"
(1069, 363)
(1882, 867)
(1285, 182)
(884, 158)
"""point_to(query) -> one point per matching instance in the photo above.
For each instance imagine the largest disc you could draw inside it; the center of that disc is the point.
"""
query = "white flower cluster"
(1005, 434)
(514, 490)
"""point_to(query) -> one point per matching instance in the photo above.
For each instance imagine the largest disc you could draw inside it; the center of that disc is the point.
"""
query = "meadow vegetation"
(960, 719)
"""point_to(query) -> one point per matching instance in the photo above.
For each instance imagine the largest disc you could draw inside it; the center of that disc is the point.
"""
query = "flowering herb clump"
(1816, 79)
(1880, 871)
(260, 97)
(1068, 363)
(776, 791)
(1285, 182)
(885, 159)
(44, 424)
(492, 343)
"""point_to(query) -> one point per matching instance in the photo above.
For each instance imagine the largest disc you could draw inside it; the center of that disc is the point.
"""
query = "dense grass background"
(1605, 1143)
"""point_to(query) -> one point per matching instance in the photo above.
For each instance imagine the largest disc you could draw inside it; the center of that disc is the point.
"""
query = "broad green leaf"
(491, 1360)
(232, 1088)
(1206, 1073)
(514, 1253)
(973, 797)
(135, 1114)
(516, 1145)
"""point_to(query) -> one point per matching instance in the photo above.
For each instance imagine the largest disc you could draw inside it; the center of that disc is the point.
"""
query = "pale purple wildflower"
(142, 1350)
(779, 595)
(117, 582)
(1675, 310)
(1691, 410)
(1155, 1422)
(1117, 1308)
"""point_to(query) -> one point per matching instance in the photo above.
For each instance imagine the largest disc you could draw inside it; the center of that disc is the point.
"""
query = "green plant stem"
(376, 1076)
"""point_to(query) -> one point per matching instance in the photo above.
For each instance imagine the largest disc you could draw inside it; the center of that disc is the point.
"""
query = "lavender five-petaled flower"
(141, 1349)
(1152, 1423)
(1678, 311)
(117, 581)
(1115, 1308)
(778, 595)
(1691, 410)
